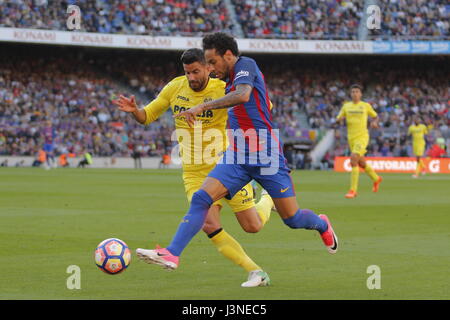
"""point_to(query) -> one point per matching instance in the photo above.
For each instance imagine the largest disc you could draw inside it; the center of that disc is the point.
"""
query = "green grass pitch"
(52, 219)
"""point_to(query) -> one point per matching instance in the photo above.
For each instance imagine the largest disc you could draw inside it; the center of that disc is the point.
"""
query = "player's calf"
(306, 219)
(249, 220)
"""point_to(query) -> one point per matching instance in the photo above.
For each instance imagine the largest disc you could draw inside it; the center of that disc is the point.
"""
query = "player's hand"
(374, 125)
(125, 104)
(190, 114)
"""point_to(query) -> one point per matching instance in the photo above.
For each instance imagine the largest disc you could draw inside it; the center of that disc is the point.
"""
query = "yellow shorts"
(359, 145)
(242, 200)
(418, 149)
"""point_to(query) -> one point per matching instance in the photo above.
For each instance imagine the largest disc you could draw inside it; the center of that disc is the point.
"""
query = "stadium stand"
(66, 99)
(414, 19)
(286, 19)
(75, 97)
(72, 90)
(149, 17)
(306, 19)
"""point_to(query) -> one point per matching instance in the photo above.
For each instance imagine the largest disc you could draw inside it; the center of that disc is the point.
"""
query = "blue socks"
(192, 222)
(194, 219)
(306, 219)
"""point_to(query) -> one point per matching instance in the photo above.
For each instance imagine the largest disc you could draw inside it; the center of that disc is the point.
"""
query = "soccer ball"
(112, 256)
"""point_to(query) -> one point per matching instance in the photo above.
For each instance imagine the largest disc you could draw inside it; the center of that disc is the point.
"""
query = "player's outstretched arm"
(340, 121)
(129, 105)
(231, 99)
(374, 123)
(240, 95)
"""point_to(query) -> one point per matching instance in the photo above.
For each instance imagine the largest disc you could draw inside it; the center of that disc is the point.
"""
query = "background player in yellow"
(418, 132)
(180, 94)
(356, 113)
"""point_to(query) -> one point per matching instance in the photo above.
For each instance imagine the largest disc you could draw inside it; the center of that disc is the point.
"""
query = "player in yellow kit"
(199, 156)
(418, 132)
(356, 113)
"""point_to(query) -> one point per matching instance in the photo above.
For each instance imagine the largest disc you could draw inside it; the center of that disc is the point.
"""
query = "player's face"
(197, 75)
(356, 94)
(218, 64)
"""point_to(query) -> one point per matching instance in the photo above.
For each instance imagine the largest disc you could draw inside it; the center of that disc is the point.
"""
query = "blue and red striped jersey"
(254, 117)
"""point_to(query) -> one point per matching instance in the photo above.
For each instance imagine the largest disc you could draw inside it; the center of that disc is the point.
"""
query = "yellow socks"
(232, 250)
(264, 207)
(419, 167)
(354, 179)
(372, 174)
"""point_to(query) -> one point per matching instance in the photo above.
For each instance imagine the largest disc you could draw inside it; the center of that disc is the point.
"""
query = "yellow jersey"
(356, 115)
(201, 145)
(418, 132)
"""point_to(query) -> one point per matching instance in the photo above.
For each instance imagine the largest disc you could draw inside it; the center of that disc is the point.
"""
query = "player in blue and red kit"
(255, 152)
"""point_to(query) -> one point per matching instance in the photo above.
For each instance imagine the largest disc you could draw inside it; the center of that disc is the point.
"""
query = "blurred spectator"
(437, 150)
(165, 160)
(20, 163)
(136, 155)
(63, 162)
(41, 158)
(327, 161)
(86, 161)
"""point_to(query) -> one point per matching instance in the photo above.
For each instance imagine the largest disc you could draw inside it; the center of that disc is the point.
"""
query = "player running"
(356, 113)
(249, 114)
(418, 132)
(183, 93)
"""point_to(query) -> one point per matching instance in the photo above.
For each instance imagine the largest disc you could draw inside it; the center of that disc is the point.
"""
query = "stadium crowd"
(150, 17)
(49, 101)
(398, 89)
(397, 96)
(66, 97)
(305, 19)
(414, 19)
(292, 19)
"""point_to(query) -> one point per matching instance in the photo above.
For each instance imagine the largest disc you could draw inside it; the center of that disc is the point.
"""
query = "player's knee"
(208, 228)
(211, 229)
(201, 200)
(252, 227)
(211, 226)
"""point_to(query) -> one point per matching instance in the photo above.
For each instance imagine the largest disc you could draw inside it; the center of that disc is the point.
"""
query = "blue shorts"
(48, 147)
(235, 176)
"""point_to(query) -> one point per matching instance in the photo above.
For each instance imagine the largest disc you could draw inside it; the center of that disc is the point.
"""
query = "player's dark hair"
(193, 55)
(356, 86)
(221, 42)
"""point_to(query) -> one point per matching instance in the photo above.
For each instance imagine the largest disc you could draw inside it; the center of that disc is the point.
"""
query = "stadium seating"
(41, 96)
(414, 19)
(75, 93)
(150, 17)
(286, 19)
(307, 19)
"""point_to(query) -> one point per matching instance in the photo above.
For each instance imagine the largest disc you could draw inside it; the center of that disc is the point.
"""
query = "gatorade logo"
(434, 166)
(395, 164)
